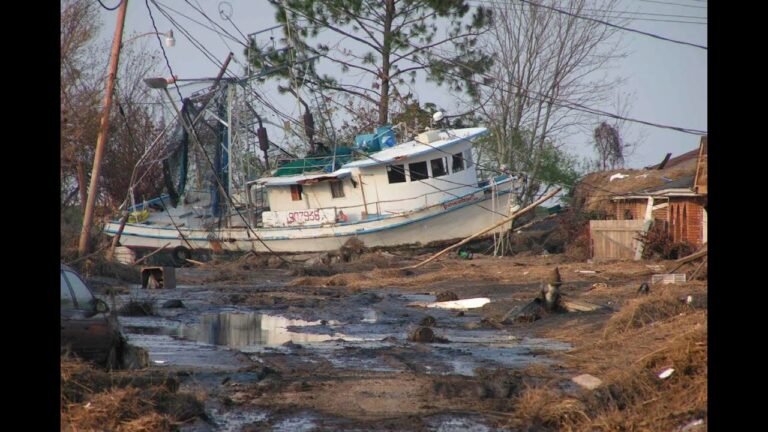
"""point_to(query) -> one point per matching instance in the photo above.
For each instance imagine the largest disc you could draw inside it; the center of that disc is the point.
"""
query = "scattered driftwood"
(447, 296)
(692, 257)
(348, 252)
(496, 225)
(549, 300)
(698, 269)
(580, 306)
(531, 312)
(426, 335)
(139, 261)
(428, 321)
(200, 263)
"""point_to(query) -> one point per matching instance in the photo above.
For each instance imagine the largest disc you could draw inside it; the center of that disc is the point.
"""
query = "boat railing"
(388, 208)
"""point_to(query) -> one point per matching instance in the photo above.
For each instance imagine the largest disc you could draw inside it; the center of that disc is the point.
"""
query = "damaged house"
(671, 194)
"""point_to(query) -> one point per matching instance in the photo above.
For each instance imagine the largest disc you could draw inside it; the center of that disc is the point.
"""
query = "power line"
(196, 43)
(674, 4)
(113, 8)
(158, 4)
(229, 18)
(614, 25)
(200, 10)
(621, 15)
(162, 48)
(562, 103)
(506, 3)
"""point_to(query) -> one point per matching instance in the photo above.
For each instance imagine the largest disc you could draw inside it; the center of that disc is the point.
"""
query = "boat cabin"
(434, 169)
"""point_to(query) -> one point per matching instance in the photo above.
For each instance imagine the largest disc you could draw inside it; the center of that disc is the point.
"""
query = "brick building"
(679, 204)
(672, 193)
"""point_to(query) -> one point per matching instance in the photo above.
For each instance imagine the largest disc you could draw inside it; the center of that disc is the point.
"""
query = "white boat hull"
(454, 219)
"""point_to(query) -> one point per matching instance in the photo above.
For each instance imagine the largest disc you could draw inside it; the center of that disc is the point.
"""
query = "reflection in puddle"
(369, 316)
(242, 329)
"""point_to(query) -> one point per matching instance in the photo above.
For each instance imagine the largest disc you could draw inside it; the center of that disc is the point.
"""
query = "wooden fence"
(615, 239)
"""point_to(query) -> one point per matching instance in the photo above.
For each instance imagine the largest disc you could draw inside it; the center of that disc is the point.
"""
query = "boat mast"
(228, 147)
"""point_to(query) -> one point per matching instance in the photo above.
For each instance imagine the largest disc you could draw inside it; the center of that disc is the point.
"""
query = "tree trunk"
(385, 65)
(81, 183)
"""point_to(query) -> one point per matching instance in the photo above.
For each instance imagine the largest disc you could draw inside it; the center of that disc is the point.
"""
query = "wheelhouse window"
(438, 167)
(296, 191)
(468, 158)
(458, 163)
(337, 188)
(418, 171)
(396, 173)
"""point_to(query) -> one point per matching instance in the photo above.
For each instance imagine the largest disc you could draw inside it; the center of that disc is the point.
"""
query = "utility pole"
(102, 138)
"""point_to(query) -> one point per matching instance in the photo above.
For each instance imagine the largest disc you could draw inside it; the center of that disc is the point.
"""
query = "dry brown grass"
(644, 311)
(628, 352)
(546, 407)
(513, 270)
(92, 399)
(117, 410)
(635, 398)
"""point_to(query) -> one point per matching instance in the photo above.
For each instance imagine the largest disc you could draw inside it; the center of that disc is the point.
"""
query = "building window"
(438, 167)
(296, 191)
(396, 173)
(458, 163)
(468, 158)
(418, 171)
(337, 189)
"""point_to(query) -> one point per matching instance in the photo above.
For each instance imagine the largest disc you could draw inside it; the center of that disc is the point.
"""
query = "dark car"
(88, 329)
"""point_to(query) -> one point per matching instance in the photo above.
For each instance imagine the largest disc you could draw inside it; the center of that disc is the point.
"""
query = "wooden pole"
(362, 190)
(116, 239)
(84, 244)
(505, 220)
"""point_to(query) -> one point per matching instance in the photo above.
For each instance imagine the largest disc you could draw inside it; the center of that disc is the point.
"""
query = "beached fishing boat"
(382, 192)
(417, 192)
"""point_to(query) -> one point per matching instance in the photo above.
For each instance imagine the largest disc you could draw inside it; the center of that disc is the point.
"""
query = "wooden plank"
(615, 239)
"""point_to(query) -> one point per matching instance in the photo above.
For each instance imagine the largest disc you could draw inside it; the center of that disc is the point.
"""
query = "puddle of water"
(370, 316)
(248, 329)
(456, 424)
(236, 420)
(304, 423)
(418, 297)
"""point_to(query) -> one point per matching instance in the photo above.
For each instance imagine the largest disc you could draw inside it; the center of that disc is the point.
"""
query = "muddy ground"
(260, 345)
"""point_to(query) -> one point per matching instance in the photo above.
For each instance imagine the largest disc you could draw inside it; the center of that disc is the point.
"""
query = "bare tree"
(83, 71)
(614, 139)
(79, 94)
(609, 146)
(545, 63)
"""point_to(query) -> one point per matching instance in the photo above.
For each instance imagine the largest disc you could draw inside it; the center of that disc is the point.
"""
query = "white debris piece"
(666, 373)
(454, 304)
(618, 176)
(587, 381)
(692, 425)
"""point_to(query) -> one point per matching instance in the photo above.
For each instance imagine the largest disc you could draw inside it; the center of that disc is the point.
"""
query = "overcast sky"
(668, 80)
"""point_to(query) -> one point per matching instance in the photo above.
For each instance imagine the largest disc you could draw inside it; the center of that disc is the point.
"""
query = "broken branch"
(505, 220)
